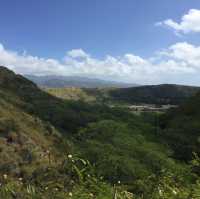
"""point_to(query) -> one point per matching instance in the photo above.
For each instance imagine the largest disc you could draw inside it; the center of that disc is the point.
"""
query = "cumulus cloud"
(77, 53)
(172, 65)
(186, 53)
(190, 22)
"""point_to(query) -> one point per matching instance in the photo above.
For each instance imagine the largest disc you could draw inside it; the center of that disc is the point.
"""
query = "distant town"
(151, 108)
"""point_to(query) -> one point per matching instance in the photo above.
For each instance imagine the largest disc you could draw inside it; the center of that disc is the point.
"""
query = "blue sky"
(104, 32)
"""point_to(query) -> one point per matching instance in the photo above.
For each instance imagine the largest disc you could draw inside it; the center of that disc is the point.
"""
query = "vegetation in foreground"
(54, 148)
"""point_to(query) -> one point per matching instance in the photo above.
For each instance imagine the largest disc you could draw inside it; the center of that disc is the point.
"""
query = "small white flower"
(20, 179)
(160, 191)
(70, 194)
(91, 195)
(5, 176)
(119, 182)
(69, 156)
(174, 192)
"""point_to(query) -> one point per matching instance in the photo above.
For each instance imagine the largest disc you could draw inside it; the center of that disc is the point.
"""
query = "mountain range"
(74, 81)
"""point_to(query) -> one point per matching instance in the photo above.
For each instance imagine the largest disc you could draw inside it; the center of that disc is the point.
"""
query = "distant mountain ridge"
(54, 81)
(154, 94)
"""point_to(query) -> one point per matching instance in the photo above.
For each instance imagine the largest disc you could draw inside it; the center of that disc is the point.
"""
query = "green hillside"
(157, 94)
(181, 128)
(35, 160)
(71, 93)
(56, 148)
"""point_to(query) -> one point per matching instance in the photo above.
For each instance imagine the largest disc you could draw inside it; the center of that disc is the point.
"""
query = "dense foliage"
(180, 129)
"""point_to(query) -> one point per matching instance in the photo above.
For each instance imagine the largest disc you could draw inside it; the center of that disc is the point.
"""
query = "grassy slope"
(21, 132)
(32, 151)
(71, 93)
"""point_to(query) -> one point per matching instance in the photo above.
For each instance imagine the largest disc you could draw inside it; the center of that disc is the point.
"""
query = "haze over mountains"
(75, 81)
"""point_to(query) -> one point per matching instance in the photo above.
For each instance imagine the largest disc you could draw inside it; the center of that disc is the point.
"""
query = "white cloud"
(173, 65)
(77, 53)
(190, 22)
(185, 52)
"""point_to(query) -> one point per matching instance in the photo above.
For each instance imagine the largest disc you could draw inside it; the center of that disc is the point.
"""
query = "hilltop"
(154, 94)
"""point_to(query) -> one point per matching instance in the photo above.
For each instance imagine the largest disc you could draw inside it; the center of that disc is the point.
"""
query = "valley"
(135, 99)
(54, 146)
